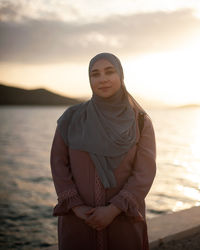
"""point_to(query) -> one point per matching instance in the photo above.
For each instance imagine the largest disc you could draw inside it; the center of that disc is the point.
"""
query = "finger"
(90, 222)
(91, 219)
(91, 211)
(99, 228)
(93, 226)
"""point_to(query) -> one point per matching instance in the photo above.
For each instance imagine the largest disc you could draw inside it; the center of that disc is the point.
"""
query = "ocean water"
(27, 194)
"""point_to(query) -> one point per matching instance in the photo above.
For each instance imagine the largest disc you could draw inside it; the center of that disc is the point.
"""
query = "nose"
(103, 78)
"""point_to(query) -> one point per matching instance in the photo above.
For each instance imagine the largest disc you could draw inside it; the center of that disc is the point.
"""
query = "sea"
(27, 194)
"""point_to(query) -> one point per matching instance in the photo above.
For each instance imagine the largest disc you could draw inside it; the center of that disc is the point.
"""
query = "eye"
(96, 74)
(109, 72)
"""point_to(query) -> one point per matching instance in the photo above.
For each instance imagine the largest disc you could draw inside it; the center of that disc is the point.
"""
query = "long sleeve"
(66, 190)
(142, 176)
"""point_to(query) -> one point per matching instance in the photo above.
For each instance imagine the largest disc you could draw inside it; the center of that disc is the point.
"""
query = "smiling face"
(104, 79)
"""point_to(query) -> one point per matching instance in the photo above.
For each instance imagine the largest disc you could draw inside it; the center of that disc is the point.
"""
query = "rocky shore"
(191, 242)
(176, 231)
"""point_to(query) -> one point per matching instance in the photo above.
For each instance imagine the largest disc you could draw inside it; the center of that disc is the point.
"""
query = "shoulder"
(148, 130)
(148, 120)
(69, 112)
(143, 119)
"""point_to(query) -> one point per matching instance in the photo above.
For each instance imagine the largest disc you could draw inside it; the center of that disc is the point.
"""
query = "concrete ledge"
(169, 227)
(52, 248)
(173, 226)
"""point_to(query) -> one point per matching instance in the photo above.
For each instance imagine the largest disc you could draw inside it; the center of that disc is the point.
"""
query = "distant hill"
(189, 106)
(18, 96)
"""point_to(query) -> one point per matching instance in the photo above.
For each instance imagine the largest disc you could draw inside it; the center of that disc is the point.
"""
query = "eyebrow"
(107, 68)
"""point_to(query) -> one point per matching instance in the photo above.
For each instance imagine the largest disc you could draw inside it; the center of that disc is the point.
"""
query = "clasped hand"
(99, 217)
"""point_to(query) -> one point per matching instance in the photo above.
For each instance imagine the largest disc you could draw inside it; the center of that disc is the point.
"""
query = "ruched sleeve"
(66, 190)
(139, 182)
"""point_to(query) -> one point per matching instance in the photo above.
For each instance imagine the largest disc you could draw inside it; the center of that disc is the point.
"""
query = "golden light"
(195, 145)
(197, 9)
(64, 79)
(189, 192)
(172, 76)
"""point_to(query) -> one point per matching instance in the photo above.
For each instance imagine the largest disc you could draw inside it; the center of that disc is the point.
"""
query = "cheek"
(92, 83)
(93, 86)
(117, 83)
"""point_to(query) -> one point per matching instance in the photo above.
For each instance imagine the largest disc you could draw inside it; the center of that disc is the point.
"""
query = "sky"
(49, 43)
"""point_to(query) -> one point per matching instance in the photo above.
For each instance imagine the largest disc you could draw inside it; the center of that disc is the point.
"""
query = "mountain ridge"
(10, 95)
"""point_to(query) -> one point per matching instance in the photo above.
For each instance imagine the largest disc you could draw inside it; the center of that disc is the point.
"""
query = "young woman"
(103, 165)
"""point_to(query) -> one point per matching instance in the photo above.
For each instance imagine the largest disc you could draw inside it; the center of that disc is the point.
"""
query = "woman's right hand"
(80, 211)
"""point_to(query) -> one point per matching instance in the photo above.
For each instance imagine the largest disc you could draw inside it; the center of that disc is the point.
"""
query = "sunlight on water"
(26, 189)
(189, 192)
(179, 205)
(195, 145)
(193, 177)
(178, 162)
(177, 183)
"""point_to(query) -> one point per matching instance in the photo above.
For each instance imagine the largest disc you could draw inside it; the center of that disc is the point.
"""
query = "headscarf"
(103, 127)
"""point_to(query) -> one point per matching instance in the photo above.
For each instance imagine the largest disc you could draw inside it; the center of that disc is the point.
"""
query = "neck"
(115, 98)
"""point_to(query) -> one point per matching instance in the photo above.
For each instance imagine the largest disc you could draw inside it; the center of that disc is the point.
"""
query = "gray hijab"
(103, 127)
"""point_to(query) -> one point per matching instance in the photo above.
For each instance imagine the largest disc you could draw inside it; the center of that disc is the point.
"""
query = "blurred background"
(45, 48)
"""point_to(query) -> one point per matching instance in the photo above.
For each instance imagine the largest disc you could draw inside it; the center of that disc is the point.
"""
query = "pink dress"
(77, 183)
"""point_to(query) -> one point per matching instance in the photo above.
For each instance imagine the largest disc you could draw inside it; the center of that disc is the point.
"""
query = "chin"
(106, 96)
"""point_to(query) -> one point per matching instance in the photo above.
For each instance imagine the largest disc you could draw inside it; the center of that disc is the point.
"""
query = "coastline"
(167, 231)
(177, 231)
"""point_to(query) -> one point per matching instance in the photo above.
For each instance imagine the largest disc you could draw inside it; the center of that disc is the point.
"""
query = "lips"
(104, 88)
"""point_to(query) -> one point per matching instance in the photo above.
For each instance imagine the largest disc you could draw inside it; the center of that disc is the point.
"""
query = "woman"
(102, 166)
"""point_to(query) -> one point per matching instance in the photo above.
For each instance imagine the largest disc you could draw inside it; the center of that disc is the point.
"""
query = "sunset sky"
(48, 44)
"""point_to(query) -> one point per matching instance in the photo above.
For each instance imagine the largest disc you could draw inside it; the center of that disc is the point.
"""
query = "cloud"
(9, 11)
(49, 40)
(26, 9)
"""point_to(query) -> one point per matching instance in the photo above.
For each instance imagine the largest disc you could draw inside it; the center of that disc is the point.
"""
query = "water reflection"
(177, 183)
(195, 147)
(27, 190)
(190, 192)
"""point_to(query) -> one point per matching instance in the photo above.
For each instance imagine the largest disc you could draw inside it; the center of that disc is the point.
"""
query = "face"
(104, 79)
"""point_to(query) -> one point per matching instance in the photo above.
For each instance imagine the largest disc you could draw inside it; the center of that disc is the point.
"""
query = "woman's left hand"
(100, 217)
